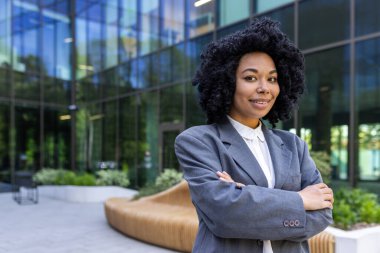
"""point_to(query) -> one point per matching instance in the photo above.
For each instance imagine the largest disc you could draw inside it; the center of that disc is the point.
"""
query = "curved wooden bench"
(169, 219)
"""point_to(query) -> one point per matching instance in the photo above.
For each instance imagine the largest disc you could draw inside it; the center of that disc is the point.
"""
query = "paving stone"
(54, 226)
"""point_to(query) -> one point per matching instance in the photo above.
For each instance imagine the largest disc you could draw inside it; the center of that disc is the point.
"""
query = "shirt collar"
(247, 132)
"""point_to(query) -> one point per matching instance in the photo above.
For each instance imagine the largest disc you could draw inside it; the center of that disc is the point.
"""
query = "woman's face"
(256, 88)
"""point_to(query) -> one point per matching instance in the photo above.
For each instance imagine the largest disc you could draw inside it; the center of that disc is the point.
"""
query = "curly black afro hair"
(216, 75)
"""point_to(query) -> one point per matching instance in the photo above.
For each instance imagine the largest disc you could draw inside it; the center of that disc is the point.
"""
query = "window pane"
(367, 17)
(171, 104)
(148, 71)
(128, 29)
(173, 22)
(165, 59)
(194, 113)
(179, 63)
(56, 139)
(328, 28)
(194, 50)
(5, 82)
(95, 47)
(265, 5)
(5, 33)
(128, 138)
(231, 29)
(368, 108)
(128, 76)
(230, 11)
(150, 20)
(56, 91)
(285, 16)
(148, 137)
(324, 111)
(5, 162)
(109, 133)
(26, 86)
(95, 134)
(201, 18)
(81, 48)
(27, 138)
(63, 50)
(111, 45)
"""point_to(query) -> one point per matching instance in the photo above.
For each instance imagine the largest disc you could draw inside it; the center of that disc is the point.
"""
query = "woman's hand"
(224, 176)
(318, 196)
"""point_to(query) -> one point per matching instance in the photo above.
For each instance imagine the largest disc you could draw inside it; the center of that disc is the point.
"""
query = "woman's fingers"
(317, 197)
(224, 176)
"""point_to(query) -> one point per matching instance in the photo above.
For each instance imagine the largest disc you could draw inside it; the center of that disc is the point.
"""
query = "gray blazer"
(234, 219)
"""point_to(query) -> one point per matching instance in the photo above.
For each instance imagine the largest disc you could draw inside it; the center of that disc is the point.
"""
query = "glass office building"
(90, 84)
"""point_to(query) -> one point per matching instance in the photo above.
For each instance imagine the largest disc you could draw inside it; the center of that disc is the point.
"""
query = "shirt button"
(296, 223)
(291, 223)
(286, 223)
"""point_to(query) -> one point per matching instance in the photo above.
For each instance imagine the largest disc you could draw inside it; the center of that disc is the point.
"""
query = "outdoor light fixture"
(85, 67)
(201, 2)
(64, 117)
(68, 40)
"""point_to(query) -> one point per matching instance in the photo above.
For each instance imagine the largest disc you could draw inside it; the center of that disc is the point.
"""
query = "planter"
(364, 240)
(84, 193)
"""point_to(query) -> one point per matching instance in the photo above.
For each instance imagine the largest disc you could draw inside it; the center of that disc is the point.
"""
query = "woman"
(255, 189)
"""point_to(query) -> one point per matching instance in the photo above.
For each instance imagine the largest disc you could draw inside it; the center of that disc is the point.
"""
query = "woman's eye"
(250, 78)
(272, 79)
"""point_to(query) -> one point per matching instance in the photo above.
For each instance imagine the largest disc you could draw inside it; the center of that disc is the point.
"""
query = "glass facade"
(126, 69)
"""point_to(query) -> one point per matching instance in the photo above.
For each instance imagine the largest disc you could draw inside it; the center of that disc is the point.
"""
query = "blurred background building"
(86, 84)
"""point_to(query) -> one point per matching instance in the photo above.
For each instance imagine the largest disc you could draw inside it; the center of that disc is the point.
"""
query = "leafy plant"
(67, 177)
(112, 177)
(355, 206)
(48, 176)
(322, 161)
(164, 181)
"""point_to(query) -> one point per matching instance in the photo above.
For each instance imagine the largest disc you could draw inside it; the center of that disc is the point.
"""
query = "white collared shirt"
(256, 142)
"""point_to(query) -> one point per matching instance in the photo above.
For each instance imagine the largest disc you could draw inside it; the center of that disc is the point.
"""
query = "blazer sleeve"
(318, 220)
(252, 212)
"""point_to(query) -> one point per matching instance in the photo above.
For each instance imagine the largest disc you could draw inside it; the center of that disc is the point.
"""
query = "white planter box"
(365, 240)
(84, 193)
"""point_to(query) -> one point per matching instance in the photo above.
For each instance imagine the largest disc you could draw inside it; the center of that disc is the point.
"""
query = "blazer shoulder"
(203, 133)
(287, 137)
(199, 131)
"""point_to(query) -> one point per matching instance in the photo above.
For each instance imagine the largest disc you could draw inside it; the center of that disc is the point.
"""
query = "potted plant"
(83, 187)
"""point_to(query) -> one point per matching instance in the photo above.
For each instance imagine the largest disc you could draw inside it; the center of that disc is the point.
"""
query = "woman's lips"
(260, 103)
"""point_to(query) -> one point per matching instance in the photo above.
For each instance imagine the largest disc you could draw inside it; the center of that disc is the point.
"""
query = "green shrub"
(322, 161)
(67, 177)
(85, 179)
(112, 177)
(164, 181)
(355, 206)
(49, 176)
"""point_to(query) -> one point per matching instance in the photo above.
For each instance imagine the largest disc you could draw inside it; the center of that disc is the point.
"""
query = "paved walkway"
(53, 226)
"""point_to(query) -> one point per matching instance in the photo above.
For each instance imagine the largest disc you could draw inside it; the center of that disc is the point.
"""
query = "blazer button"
(260, 243)
(286, 223)
(291, 223)
(296, 223)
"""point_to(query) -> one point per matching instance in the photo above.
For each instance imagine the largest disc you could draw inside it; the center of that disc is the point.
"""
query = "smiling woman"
(255, 189)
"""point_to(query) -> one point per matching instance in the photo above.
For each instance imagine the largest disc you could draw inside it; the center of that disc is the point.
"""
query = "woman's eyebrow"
(250, 69)
(256, 71)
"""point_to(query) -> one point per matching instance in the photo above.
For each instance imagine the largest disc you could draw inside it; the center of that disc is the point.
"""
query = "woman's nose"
(262, 87)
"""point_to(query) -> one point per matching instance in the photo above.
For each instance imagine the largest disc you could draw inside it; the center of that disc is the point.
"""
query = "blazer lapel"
(280, 155)
(241, 153)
